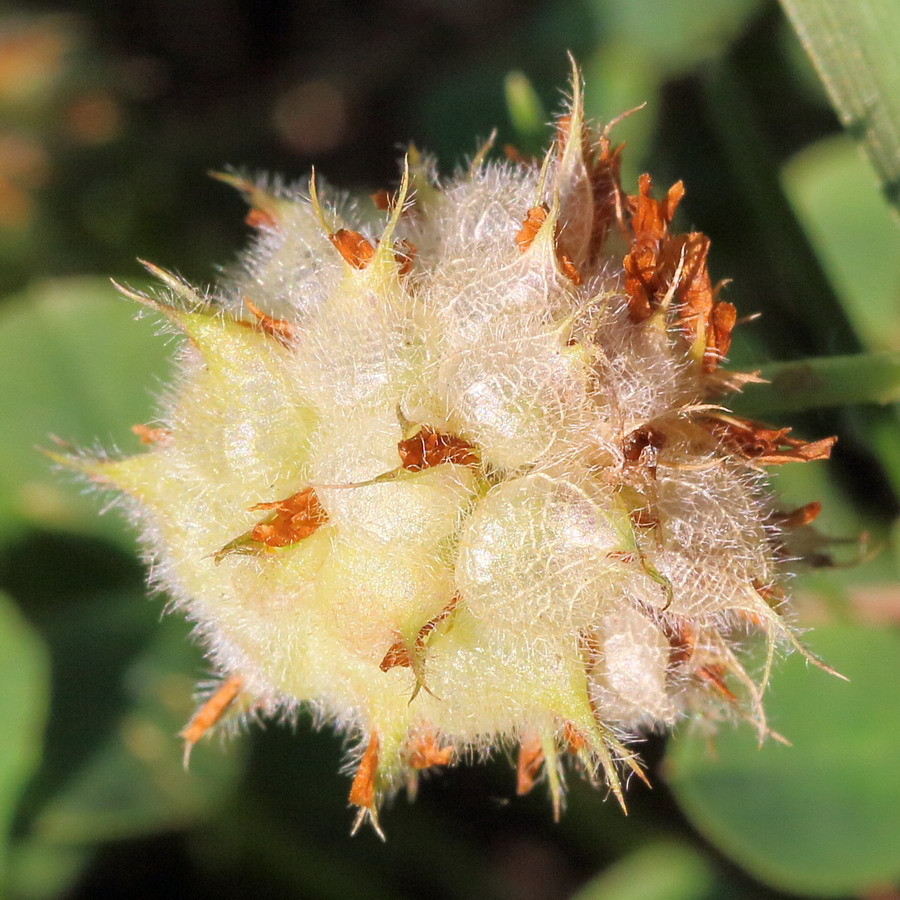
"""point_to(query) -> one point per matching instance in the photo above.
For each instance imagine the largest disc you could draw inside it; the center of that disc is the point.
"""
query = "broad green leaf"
(42, 872)
(113, 768)
(821, 817)
(834, 194)
(75, 365)
(825, 381)
(667, 871)
(854, 49)
(24, 671)
(134, 782)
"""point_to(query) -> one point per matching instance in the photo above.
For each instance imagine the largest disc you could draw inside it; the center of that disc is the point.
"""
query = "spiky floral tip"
(455, 481)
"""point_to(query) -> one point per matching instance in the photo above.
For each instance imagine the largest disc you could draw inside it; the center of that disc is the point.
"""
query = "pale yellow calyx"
(465, 482)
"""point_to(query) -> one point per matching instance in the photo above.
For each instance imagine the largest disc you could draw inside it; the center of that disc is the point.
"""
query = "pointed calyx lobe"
(590, 189)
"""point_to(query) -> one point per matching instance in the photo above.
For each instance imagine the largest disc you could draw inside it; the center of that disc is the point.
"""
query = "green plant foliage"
(661, 871)
(526, 112)
(75, 364)
(825, 381)
(648, 27)
(24, 672)
(854, 48)
(850, 225)
(820, 817)
(116, 771)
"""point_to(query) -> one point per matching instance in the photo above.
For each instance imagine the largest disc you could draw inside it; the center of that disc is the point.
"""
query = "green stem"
(823, 381)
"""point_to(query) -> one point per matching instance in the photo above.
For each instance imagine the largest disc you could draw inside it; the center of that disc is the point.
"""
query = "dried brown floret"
(356, 250)
(531, 225)
(404, 253)
(428, 448)
(424, 751)
(150, 435)
(714, 675)
(362, 790)
(767, 446)
(382, 199)
(399, 653)
(210, 713)
(296, 517)
(530, 760)
(279, 329)
(682, 641)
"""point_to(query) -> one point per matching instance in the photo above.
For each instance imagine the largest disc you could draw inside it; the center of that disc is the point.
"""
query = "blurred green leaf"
(614, 85)
(644, 43)
(75, 364)
(834, 195)
(827, 381)
(854, 48)
(136, 782)
(821, 817)
(526, 111)
(662, 871)
(24, 671)
(133, 782)
(673, 37)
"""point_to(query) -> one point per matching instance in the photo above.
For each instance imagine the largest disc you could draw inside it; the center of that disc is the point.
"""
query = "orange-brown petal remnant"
(356, 250)
(280, 329)
(651, 262)
(528, 767)
(606, 184)
(797, 518)
(573, 738)
(650, 218)
(382, 199)
(296, 517)
(602, 162)
(210, 713)
(645, 442)
(362, 790)
(714, 675)
(404, 253)
(531, 225)
(147, 434)
(259, 218)
(567, 267)
(398, 653)
(424, 751)
(660, 266)
(682, 642)
(514, 155)
(767, 446)
(263, 210)
(428, 448)
(720, 324)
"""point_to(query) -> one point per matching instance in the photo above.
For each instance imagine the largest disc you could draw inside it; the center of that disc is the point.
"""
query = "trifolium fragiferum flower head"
(453, 470)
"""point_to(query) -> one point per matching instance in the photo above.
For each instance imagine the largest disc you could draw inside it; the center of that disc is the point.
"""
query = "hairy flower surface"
(453, 471)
